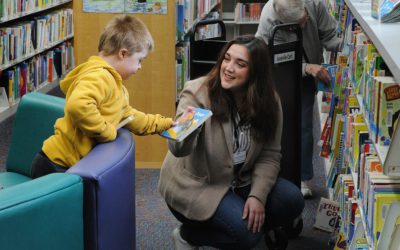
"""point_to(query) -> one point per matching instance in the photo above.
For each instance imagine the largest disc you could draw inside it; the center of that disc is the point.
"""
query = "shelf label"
(284, 57)
(3, 98)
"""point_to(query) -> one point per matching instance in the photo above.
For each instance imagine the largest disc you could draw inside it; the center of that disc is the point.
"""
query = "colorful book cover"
(389, 110)
(382, 201)
(389, 11)
(340, 243)
(180, 33)
(321, 86)
(327, 214)
(187, 123)
(361, 244)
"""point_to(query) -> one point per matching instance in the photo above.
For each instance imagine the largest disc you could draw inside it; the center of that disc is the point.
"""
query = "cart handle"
(208, 22)
(293, 27)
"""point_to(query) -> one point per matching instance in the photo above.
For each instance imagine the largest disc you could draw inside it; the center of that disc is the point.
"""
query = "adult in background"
(319, 32)
(222, 181)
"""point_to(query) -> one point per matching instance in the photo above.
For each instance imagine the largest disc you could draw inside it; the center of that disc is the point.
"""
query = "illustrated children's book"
(187, 123)
(327, 214)
(321, 86)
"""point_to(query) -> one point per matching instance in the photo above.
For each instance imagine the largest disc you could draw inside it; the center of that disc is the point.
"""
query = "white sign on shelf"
(3, 99)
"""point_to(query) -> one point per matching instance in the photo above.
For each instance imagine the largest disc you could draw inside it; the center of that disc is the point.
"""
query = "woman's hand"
(318, 72)
(255, 211)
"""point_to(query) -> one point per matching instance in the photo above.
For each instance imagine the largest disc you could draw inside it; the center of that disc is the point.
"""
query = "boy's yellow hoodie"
(96, 101)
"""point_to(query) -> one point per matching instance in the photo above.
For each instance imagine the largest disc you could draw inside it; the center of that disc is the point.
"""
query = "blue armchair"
(109, 193)
(107, 173)
(45, 213)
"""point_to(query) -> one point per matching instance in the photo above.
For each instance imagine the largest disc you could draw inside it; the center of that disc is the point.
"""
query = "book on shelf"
(324, 87)
(358, 241)
(389, 11)
(381, 203)
(361, 244)
(327, 214)
(392, 165)
(390, 237)
(180, 28)
(340, 243)
(389, 109)
(188, 122)
(379, 192)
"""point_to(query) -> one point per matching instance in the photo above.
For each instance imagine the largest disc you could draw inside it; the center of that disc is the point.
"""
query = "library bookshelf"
(241, 16)
(35, 48)
(365, 168)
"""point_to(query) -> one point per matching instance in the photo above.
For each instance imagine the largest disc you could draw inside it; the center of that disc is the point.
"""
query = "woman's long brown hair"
(259, 106)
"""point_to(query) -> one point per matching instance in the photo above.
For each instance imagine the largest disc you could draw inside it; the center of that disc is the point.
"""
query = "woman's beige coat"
(197, 172)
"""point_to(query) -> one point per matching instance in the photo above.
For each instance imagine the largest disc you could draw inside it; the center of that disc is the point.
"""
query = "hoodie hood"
(93, 64)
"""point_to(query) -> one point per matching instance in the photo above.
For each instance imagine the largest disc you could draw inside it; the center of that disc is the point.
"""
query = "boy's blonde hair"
(127, 32)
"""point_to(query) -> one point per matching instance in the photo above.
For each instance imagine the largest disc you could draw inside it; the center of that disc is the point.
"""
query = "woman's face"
(234, 71)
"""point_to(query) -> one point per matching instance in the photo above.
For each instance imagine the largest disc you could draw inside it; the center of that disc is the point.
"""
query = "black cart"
(204, 52)
(287, 60)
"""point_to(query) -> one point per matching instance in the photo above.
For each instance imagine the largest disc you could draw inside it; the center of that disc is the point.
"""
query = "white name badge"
(239, 157)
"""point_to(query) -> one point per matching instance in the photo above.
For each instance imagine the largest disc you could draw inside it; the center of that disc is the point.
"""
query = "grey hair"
(289, 11)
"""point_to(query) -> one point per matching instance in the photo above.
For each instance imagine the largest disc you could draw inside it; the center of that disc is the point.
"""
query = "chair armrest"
(106, 156)
(44, 213)
(109, 193)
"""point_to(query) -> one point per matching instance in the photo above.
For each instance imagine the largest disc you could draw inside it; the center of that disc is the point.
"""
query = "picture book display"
(187, 123)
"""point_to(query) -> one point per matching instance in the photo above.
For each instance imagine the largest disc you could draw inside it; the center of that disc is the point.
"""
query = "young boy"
(96, 100)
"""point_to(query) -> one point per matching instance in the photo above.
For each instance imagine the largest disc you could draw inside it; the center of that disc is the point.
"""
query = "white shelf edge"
(383, 35)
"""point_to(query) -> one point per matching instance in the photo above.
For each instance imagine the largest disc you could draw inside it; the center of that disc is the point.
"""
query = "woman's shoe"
(276, 239)
(179, 242)
(306, 190)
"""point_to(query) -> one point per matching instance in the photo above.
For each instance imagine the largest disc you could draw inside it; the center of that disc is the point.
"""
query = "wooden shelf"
(31, 12)
(24, 58)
